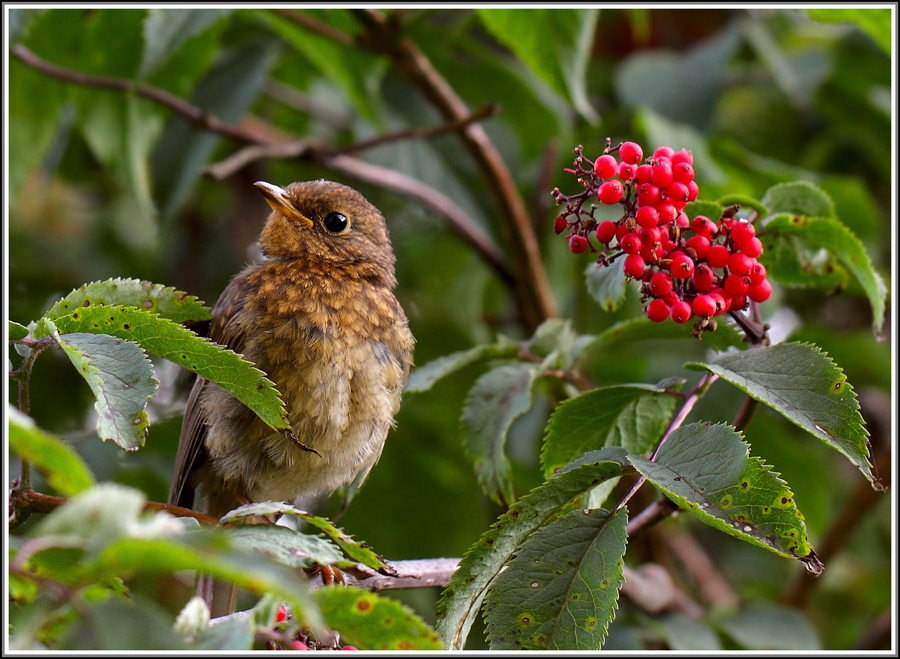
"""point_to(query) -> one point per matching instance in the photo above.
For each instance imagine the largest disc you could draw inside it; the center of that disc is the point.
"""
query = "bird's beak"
(278, 199)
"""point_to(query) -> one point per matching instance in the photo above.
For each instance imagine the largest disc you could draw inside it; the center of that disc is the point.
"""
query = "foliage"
(543, 409)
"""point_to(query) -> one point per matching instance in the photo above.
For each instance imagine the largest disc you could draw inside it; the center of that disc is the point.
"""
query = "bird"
(319, 317)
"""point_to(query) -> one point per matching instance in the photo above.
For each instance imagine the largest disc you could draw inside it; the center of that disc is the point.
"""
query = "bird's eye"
(336, 223)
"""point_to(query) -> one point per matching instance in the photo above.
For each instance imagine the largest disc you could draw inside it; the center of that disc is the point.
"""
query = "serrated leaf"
(120, 375)
(606, 284)
(371, 622)
(707, 470)
(171, 341)
(357, 551)
(63, 468)
(166, 30)
(424, 377)
(744, 202)
(711, 209)
(554, 43)
(839, 241)
(635, 329)
(169, 303)
(792, 261)
(770, 627)
(286, 545)
(498, 398)
(458, 606)
(633, 416)
(560, 592)
(798, 198)
(808, 388)
(16, 331)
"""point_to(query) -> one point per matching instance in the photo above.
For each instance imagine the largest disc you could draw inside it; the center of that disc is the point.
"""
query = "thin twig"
(746, 413)
(649, 516)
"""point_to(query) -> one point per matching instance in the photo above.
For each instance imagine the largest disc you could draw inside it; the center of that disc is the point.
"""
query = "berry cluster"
(687, 267)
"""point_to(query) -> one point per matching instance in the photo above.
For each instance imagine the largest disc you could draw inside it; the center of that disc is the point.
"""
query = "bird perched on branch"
(319, 317)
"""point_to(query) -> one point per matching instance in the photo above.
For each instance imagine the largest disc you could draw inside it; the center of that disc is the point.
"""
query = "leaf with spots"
(561, 590)
(171, 341)
(424, 377)
(163, 300)
(806, 386)
(372, 622)
(121, 377)
(707, 470)
(633, 416)
(357, 551)
(498, 398)
(840, 245)
(459, 603)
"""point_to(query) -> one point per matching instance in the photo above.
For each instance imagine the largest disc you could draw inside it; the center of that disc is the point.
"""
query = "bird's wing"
(192, 452)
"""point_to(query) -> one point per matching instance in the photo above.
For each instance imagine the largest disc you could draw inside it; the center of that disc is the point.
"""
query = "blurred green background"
(104, 185)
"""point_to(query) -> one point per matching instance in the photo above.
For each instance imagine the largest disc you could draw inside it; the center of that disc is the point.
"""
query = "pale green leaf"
(798, 198)
(16, 331)
(771, 627)
(166, 30)
(424, 377)
(286, 545)
(606, 284)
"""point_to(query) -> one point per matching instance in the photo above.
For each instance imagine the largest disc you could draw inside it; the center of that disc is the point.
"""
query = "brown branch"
(714, 588)
(315, 25)
(194, 114)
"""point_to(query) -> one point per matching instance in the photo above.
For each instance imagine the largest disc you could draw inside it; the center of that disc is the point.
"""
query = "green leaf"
(424, 377)
(458, 606)
(16, 331)
(633, 416)
(286, 545)
(684, 633)
(371, 622)
(663, 127)
(498, 398)
(555, 336)
(121, 377)
(707, 470)
(63, 468)
(710, 209)
(169, 303)
(744, 202)
(642, 328)
(357, 551)
(874, 21)
(770, 627)
(117, 624)
(554, 43)
(839, 241)
(177, 344)
(793, 261)
(798, 198)
(606, 284)
(166, 30)
(808, 388)
(560, 592)
(235, 633)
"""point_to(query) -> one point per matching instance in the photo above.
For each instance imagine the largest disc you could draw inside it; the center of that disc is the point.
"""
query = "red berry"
(281, 614)
(577, 244)
(693, 191)
(299, 645)
(664, 152)
(681, 312)
(723, 301)
(651, 253)
(703, 226)
(682, 265)
(649, 235)
(742, 232)
(760, 292)
(631, 153)
(739, 264)
(670, 298)
(643, 174)
(606, 231)
(660, 284)
(657, 310)
(626, 172)
(704, 306)
(682, 172)
(736, 285)
(349, 647)
(752, 248)
(666, 211)
(717, 256)
(634, 266)
(661, 174)
(676, 192)
(647, 216)
(606, 166)
(682, 221)
(648, 194)
(682, 156)
(669, 245)
(737, 303)
(699, 244)
(703, 278)
(757, 274)
(630, 243)
(560, 224)
(621, 230)
(611, 192)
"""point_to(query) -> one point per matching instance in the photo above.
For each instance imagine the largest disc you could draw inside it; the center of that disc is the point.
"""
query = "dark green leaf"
(793, 261)
(798, 198)
(177, 344)
(498, 398)
(169, 303)
(166, 30)
(710, 209)
(633, 416)
(854, 204)
(371, 622)
(839, 241)
(806, 386)
(458, 606)
(63, 468)
(554, 43)
(707, 470)
(16, 331)
(744, 202)
(286, 545)
(560, 592)
(121, 376)
(424, 377)
(636, 329)
(771, 627)
(606, 284)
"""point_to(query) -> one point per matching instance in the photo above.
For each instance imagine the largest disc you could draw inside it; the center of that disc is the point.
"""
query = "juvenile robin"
(319, 317)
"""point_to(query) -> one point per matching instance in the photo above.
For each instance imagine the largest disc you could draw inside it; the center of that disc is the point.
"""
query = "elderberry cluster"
(688, 268)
